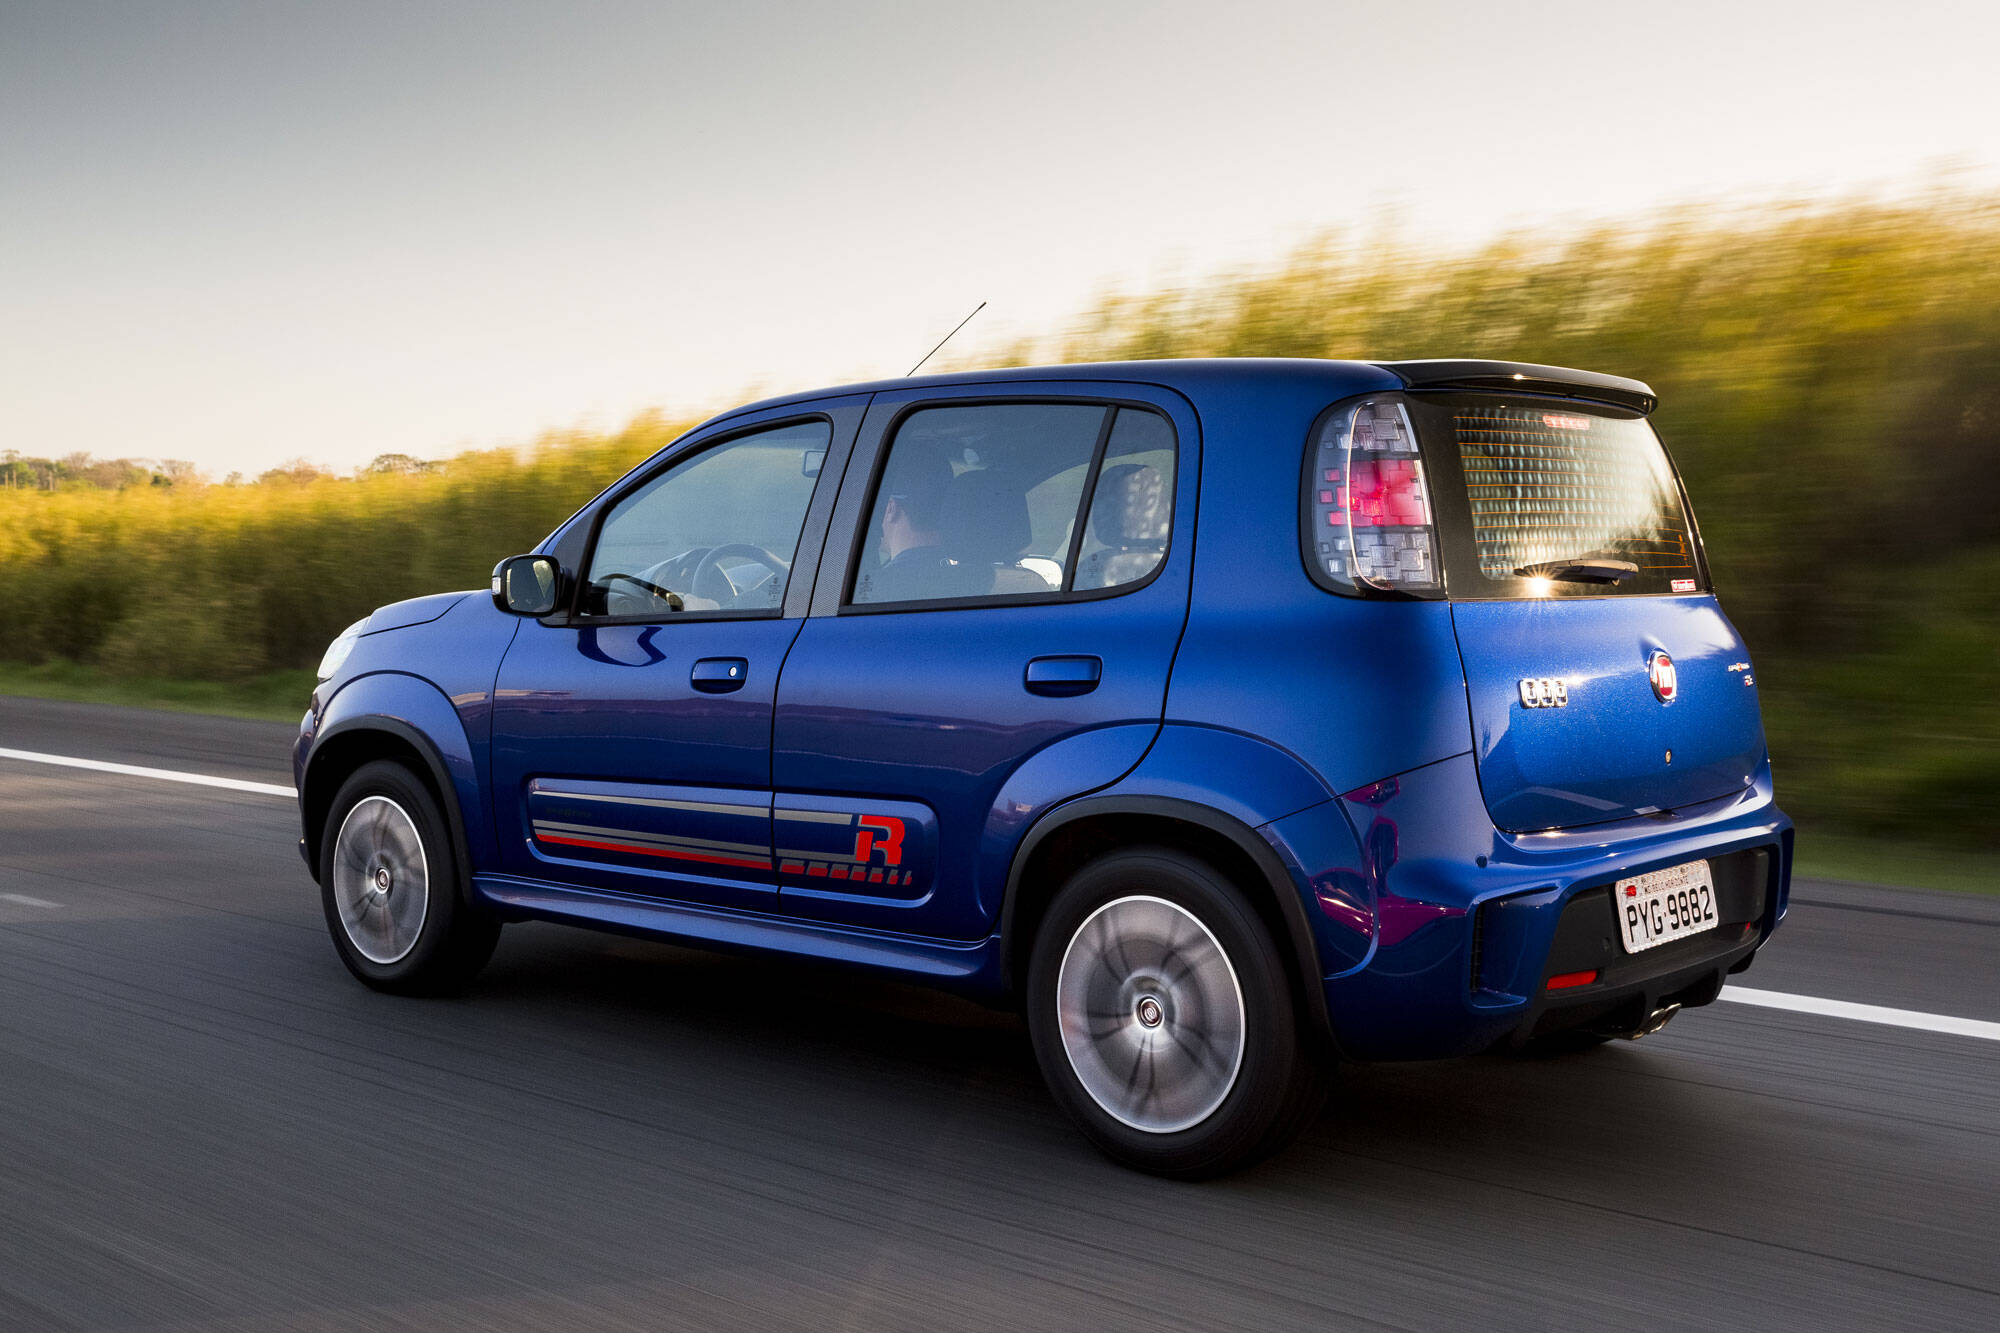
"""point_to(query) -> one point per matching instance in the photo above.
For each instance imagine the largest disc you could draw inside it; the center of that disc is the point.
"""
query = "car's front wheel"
(1162, 1018)
(389, 885)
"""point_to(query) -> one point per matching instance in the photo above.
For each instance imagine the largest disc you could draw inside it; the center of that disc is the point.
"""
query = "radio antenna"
(947, 338)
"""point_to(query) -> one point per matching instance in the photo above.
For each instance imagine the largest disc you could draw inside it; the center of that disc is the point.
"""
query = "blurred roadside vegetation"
(1829, 379)
(222, 582)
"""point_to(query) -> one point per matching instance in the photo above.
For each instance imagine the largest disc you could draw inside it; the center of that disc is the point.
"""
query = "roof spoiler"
(1521, 376)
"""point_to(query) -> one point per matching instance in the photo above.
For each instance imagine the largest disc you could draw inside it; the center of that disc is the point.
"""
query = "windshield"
(1553, 491)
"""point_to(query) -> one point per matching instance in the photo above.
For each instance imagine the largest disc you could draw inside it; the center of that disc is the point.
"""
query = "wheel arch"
(345, 747)
(1073, 833)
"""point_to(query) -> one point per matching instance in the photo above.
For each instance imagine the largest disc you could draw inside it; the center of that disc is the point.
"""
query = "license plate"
(1665, 905)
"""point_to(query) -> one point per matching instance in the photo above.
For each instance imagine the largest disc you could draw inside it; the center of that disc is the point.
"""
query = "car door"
(1003, 574)
(632, 732)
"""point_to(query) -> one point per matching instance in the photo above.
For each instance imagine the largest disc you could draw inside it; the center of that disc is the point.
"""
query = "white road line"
(162, 774)
(23, 900)
(1864, 1013)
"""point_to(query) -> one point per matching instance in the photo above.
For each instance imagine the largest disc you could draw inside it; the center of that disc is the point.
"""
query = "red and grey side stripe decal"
(702, 851)
(886, 843)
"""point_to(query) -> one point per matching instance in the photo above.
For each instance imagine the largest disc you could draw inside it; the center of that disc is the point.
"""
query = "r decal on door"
(890, 844)
(887, 845)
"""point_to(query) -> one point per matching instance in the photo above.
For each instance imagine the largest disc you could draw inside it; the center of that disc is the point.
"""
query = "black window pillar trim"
(1079, 530)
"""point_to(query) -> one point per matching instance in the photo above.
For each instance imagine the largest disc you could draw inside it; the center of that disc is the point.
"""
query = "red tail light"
(1565, 980)
(1371, 512)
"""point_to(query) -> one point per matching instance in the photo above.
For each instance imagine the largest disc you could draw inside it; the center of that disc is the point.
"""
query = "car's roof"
(1191, 375)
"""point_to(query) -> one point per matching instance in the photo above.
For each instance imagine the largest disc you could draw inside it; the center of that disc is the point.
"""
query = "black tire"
(452, 938)
(1279, 1083)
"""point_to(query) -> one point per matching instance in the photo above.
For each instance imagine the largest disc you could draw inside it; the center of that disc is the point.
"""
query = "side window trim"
(1079, 531)
(847, 533)
(843, 417)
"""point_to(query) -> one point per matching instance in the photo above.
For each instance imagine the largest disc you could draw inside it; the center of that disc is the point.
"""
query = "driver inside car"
(915, 567)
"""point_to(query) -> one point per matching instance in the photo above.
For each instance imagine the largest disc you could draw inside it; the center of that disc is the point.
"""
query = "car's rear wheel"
(1163, 1020)
(389, 884)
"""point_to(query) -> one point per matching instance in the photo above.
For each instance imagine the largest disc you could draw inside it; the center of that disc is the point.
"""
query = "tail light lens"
(1368, 510)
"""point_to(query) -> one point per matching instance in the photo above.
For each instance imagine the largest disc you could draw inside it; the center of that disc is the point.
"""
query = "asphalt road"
(205, 1123)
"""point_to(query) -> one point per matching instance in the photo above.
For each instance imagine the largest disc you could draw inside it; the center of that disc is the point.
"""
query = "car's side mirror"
(527, 585)
(811, 462)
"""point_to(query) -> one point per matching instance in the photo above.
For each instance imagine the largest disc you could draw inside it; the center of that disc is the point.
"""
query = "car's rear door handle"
(1062, 676)
(719, 675)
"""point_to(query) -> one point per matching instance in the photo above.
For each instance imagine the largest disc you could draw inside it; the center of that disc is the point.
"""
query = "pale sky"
(241, 232)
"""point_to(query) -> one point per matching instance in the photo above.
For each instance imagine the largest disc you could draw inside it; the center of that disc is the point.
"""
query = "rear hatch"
(1604, 680)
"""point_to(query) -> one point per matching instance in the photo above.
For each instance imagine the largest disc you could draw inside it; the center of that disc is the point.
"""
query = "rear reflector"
(1564, 980)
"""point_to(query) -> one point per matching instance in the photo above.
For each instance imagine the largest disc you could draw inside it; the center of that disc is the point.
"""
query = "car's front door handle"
(1062, 676)
(719, 675)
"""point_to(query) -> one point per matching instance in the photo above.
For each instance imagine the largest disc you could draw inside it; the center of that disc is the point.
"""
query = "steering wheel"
(667, 597)
(709, 580)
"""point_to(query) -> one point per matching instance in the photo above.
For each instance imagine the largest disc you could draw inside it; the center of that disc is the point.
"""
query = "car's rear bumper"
(1621, 1007)
(1451, 929)
(1623, 989)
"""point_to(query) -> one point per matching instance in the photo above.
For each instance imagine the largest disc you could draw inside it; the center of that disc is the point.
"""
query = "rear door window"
(1026, 500)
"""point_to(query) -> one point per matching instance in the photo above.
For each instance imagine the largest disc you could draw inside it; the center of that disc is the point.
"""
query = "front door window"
(714, 533)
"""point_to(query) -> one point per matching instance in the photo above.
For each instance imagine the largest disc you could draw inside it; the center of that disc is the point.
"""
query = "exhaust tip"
(1656, 1020)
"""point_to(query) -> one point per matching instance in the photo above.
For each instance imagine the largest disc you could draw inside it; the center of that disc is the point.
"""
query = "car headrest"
(986, 518)
(1130, 507)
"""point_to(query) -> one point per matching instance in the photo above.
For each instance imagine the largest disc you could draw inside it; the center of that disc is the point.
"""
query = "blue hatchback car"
(1226, 717)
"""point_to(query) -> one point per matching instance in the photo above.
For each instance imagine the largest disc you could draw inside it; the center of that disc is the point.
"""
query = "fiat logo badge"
(1660, 671)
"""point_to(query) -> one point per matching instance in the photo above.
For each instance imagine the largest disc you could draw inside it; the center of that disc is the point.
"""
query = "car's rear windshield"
(1534, 491)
